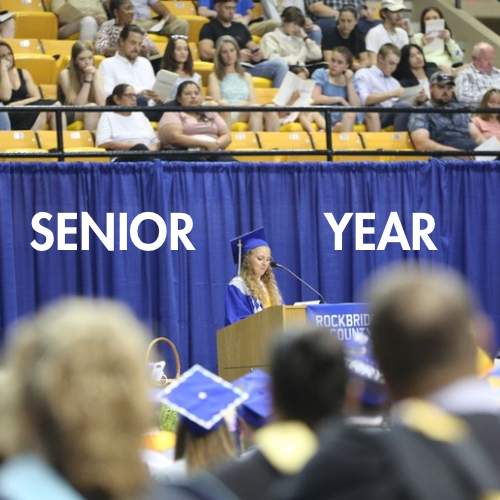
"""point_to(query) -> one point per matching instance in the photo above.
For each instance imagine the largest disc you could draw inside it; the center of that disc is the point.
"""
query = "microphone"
(279, 266)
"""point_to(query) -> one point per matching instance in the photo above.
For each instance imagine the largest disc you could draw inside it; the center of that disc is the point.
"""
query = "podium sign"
(350, 322)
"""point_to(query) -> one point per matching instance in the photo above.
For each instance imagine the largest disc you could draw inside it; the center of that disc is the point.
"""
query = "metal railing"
(329, 152)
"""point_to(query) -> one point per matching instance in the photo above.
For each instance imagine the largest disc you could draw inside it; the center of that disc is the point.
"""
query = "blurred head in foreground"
(79, 394)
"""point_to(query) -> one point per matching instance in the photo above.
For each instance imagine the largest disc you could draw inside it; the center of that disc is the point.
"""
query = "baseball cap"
(441, 79)
(393, 5)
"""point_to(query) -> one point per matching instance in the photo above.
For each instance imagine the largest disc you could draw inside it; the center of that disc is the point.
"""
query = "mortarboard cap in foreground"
(258, 408)
(202, 399)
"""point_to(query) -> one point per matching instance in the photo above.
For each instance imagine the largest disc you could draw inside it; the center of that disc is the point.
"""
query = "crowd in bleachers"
(232, 51)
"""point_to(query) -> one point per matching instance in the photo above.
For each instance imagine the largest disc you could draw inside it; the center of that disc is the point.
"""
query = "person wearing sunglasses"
(443, 131)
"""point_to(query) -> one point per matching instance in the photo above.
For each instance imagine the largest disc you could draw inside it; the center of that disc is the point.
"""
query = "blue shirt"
(242, 6)
(445, 128)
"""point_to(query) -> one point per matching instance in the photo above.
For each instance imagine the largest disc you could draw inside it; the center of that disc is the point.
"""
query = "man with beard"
(127, 66)
(443, 131)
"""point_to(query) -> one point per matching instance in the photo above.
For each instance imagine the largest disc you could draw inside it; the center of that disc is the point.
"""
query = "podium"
(245, 345)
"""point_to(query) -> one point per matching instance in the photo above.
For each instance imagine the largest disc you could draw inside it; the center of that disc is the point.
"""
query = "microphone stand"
(279, 266)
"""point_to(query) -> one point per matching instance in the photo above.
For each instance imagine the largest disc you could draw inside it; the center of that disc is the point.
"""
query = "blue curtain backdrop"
(180, 294)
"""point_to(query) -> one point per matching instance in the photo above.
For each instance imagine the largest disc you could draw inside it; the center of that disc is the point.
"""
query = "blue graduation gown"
(239, 303)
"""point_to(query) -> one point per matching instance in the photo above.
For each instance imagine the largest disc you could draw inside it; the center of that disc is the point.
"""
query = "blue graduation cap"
(258, 408)
(202, 399)
(246, 242)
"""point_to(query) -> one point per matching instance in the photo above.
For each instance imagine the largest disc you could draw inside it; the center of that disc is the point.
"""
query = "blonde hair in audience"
(75, 73)
(83, 393)
(204, 452)
(484, 104)
(255, 285)
(219, 66)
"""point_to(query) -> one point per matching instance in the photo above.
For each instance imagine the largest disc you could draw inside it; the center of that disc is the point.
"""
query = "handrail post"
(328, 132)
(59, 133)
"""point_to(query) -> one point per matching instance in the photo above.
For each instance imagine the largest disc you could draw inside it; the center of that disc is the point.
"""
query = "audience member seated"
(489, 123)
(326, 12)
(78, 404)
(446, 57)
(7, 27)
(203, 436)
(244, 14)
(142, 17)
(193, 130)
(106, 42)
(81, 85)
(395, 29)
(83, 16)
(443, 131)
(414, 70)
(126, 130)
(251, 55)
(346, 34)
(335, 86)
(378, 88)
(290, 43)
(272, 9)
(308, 386)
(480, 76)
(230, 85)
(17, 88)
(127, 66)
(178, 59)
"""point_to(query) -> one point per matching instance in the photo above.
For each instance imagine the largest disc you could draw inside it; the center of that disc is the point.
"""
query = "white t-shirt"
(133, 128)
(379, 36)
(118, 69)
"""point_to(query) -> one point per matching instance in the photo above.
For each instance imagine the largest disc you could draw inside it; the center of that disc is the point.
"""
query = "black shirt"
(214, 29)
(355, 43)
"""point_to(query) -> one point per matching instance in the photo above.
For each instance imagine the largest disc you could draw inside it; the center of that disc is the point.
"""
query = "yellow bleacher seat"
(161, 46)
(59, 48)
(387, 141)
(261, 82)
(340, 141)
(195, 25)
(288, 140)
(180, 8)
(204, 68)
(48, 5)
(239, 127)
(12, 141)
(23, 5)
(73, 141)
(246, 141)
(24, 46)
(374, 8)
(42, 67)
(48, 90)
(265, 95)
(193, 47)
(158, 38)
(36, 25)
(257, 10)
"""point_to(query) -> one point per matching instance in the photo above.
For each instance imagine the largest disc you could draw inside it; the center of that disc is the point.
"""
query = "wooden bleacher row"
(378, 142)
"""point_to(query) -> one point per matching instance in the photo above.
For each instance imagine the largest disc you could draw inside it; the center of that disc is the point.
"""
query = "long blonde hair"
(82, 394)
(75, 73)
(219, 66)
(255, 285)
(206, 451)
